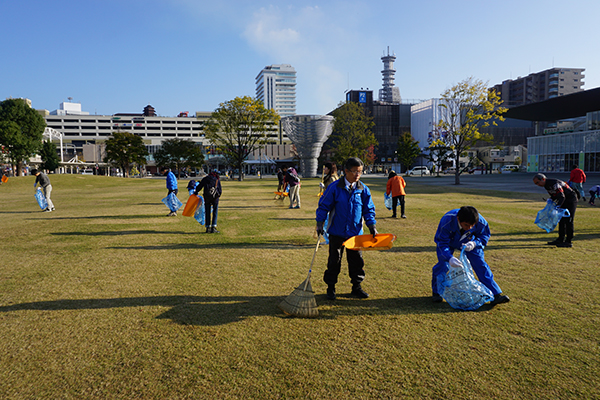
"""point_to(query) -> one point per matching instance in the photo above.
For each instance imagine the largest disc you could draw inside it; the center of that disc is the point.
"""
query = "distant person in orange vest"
(395, 186)
(576, 181)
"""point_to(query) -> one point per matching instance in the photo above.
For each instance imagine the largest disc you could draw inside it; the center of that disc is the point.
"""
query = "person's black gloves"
(320, 230)
(373, 230)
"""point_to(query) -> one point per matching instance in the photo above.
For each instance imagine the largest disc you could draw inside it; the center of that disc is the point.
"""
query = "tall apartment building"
(541, 86)
(276, 88)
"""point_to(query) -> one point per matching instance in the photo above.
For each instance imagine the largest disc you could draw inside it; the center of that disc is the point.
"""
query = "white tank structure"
(308, 133)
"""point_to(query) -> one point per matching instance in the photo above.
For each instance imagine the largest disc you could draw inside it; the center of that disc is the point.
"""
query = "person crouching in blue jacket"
(348, 201)
(460, 228)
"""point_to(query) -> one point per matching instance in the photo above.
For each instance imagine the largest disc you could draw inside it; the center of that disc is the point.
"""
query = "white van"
(507, 169)
(418, 171)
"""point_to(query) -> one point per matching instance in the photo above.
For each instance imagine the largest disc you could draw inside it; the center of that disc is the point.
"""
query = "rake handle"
(313, 260)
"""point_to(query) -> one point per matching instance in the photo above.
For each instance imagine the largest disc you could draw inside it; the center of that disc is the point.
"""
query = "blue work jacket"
(347, 209)
(448, 237)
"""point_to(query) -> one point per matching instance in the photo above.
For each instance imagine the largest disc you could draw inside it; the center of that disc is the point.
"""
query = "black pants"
(395, 201)
(334, 264)
(565, 225)
(173, 191)
(211, 209)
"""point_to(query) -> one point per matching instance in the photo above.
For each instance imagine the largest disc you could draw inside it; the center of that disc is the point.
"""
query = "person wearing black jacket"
(212, 192)
(564, 197)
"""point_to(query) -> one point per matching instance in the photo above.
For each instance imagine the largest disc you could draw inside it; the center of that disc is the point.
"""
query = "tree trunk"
(457, 173)
(241, 172)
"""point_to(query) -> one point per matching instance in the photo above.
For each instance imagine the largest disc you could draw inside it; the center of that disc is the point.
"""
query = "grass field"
(108, 298)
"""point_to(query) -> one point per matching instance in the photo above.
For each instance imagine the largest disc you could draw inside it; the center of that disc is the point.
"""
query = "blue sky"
(186, 55)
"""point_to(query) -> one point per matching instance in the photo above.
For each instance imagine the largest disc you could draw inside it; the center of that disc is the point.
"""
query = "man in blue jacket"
(348, 201)
(171, 187)
(460, 228)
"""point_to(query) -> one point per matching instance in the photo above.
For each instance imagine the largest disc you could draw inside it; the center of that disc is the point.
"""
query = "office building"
(276, 88)
(574, 141)
(391, 120)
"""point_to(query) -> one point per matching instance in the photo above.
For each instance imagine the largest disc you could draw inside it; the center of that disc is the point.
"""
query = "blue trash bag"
(460, 289)
(387, 200)
(547, 218)
(325, 234)
(41, 199)
(199, 214)
(172, 202)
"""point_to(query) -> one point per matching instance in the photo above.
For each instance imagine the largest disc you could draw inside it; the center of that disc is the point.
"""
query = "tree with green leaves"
(125, 149)
(50, 159)
(352, 134)
(465, 108)
(238, 127)
(21, 130)
(408, 150)
(177, 154)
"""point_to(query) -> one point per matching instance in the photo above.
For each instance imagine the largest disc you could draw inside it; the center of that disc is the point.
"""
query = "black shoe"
(394, 216)
(359, 292)
(499, 299)
(331, 293)
(565, 244)
(556, 242)
(403, 216)
(214, 230)
(208, 229)
(437, 298)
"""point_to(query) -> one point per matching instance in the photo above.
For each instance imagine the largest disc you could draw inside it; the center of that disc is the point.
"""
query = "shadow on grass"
(292, 219)
(119, 233)
(238, 207)
(212, 311)
(21, 212)
(268, 244)
(137, 216)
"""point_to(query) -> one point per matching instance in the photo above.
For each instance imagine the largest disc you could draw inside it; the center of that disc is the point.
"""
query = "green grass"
(108, 298)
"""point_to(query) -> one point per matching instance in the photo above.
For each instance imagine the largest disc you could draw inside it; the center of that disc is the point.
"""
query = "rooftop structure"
(389, 93)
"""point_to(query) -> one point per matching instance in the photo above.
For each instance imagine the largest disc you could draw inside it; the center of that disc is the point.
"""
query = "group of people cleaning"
(347, 204)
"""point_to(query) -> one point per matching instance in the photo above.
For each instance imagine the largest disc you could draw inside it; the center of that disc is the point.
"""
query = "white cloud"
(316, 43)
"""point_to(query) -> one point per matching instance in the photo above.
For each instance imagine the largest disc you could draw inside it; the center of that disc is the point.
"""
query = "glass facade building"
(559, 152)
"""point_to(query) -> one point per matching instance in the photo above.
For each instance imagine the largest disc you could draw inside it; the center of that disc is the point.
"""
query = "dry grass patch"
(109, 298)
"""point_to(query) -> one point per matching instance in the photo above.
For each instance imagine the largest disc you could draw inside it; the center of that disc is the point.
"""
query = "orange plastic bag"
(382, 241)
(190, 206)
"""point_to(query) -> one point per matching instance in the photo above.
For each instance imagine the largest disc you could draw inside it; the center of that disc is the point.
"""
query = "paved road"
(515, 182)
